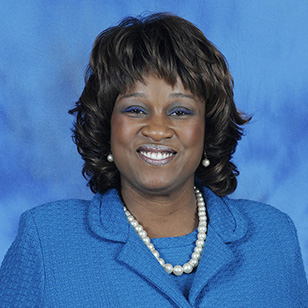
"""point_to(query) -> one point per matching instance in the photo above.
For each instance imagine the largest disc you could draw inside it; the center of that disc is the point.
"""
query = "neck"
(168, 214)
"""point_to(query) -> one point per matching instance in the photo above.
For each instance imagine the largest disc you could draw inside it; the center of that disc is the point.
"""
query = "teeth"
(156, 156)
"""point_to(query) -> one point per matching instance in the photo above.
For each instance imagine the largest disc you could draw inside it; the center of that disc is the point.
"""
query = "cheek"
(195, 135)
(122, 131)
(117, 131)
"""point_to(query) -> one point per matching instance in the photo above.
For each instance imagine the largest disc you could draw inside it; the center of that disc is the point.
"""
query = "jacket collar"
(107, 219)
(226, 220)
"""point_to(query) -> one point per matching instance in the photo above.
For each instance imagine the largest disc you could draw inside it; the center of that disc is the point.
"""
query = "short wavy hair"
(167, 46)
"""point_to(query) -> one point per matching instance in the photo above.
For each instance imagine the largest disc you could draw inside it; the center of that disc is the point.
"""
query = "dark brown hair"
(167, 46)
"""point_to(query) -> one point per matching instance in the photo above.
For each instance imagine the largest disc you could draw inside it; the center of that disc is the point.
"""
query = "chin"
(156, 186)
(160, 187)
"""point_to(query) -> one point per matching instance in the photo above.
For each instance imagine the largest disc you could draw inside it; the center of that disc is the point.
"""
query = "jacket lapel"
(226, 225)
(140, 260)
(215, 256)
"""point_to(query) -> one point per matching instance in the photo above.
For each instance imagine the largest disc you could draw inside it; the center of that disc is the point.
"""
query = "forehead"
(152, 83)
(156, 89)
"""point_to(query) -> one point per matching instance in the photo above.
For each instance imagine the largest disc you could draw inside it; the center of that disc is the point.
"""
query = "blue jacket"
(78, 253)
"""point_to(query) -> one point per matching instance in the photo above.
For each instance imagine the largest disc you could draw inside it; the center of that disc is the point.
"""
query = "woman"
(156, 126)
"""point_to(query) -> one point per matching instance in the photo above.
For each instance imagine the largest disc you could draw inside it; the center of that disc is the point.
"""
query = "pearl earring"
(205, 162)
(110, 158)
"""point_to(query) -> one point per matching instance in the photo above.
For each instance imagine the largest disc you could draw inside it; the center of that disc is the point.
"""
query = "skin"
(159, 194)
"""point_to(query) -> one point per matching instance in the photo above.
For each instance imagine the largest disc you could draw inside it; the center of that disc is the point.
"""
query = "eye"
(180, 112)
(134, 110)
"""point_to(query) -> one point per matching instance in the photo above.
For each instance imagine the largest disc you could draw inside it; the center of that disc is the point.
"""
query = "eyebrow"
(172, 95)
(179, 94)
(137, 94)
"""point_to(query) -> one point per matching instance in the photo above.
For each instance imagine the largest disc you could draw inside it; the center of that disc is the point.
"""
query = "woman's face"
(157, 134)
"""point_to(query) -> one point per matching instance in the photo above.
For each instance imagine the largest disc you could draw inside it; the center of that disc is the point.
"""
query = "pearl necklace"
(196, 255)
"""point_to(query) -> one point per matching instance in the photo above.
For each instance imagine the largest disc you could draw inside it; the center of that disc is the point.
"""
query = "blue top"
(77, 253)
(178, 250)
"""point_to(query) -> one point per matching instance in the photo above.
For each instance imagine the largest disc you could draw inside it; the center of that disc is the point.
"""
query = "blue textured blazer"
(78, 253)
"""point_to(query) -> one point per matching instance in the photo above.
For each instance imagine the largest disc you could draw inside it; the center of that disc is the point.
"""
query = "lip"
(156, 154)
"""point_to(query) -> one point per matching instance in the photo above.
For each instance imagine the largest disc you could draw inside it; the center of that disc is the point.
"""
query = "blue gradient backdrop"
(44, 49)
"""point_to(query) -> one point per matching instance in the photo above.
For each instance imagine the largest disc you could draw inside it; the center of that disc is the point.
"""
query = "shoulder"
(257, 211)
(56, 216)
(271, 239)
(59, 208)
(263, 219)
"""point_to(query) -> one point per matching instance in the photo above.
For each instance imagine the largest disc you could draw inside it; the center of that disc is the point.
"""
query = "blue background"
(44, 51)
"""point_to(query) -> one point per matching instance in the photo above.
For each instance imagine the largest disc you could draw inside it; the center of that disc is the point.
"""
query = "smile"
(156, 155)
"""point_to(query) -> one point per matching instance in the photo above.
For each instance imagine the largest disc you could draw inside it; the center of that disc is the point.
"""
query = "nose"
(157, 127)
